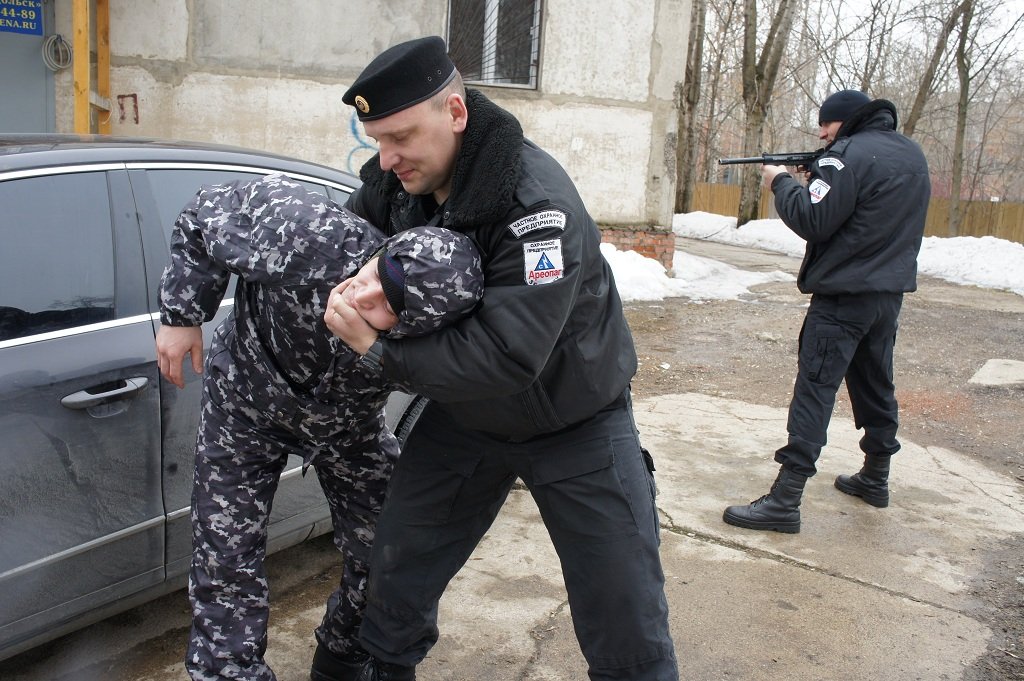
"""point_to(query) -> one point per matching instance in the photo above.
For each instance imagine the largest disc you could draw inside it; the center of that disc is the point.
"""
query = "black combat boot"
(778, 510)
(872, 482)
(356, 666)
(393, 672)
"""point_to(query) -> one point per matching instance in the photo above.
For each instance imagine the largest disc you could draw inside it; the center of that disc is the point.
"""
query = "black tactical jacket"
(863, 210)
(549, 345)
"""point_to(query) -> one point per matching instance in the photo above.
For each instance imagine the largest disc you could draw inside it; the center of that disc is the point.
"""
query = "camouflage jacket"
(289, 248)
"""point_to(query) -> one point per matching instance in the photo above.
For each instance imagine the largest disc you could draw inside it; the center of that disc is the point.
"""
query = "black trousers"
(851, 337)
(595, 492)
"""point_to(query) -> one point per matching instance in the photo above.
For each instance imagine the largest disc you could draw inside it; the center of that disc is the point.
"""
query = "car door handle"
(107, 392)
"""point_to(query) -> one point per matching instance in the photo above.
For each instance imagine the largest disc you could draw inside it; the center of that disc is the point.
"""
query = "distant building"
(593, 81)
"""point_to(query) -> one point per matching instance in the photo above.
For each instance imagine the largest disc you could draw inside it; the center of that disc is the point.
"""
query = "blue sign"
(21, 16)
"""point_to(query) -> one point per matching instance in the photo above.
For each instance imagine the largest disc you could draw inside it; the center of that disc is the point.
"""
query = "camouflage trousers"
(240, 455)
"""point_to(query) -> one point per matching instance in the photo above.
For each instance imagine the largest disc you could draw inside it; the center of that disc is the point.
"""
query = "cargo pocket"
(888, 357)
(820, 351)
(431, 485)
(581, 493)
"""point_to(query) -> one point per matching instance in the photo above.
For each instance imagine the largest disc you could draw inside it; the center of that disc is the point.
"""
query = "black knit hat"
(392, 280)
(841, 105)
(399, 77)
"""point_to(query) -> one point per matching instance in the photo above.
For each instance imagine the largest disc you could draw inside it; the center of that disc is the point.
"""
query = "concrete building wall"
(270, 75)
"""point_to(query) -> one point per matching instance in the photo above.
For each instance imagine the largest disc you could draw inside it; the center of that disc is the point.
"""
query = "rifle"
(799, 158)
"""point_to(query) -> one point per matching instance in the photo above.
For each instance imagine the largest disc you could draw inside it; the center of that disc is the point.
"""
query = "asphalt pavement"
(860, 592)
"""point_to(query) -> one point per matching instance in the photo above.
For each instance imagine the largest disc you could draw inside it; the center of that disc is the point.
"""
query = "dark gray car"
(95, 448)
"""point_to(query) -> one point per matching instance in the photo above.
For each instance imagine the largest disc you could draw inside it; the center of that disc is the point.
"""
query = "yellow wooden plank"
(103, 63)
(80, 70)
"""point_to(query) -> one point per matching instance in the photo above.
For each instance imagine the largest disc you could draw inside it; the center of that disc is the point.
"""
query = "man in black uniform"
(535, 385)
(862, 214)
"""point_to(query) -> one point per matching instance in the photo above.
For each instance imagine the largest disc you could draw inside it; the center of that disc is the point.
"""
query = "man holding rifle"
(862, 213)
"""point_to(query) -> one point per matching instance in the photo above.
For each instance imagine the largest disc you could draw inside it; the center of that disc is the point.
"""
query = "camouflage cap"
(444, 279)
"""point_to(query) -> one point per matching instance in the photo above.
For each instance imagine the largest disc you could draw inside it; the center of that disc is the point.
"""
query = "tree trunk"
(963, 72)
(689, 99)
(750, 185)
(716, 72)
(758, 83)
(925, 87)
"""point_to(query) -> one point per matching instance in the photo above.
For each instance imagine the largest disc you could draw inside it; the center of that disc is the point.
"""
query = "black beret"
(841, 105)
(399, 77)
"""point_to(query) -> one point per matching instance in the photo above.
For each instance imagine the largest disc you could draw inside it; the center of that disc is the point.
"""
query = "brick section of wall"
(657, 243)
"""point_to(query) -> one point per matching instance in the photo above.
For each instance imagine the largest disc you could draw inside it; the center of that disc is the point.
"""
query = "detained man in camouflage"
(277, 382)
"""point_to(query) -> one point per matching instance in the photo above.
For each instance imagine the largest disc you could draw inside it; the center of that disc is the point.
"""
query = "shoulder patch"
(818, 189)
(542, 261)
(831, 161)
(545, 219)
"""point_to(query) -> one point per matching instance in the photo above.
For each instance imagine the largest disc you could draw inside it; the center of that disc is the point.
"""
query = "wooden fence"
(981, 218)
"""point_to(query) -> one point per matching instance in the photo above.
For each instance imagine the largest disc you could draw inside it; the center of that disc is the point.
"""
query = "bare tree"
(689, 99)
(851, 43)
(759, 73)
(885, 17)
(928, 80)
(902, 50)
(998, 150)
(981, 48)
(976, 185)
(718, 108)
(963, 72)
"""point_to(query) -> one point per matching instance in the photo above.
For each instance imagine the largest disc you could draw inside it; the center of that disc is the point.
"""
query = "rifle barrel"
(744, 159)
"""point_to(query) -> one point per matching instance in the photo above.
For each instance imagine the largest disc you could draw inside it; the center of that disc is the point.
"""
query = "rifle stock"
(799, 158)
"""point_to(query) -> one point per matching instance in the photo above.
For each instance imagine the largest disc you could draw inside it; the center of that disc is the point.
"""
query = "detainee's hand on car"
(172, 344)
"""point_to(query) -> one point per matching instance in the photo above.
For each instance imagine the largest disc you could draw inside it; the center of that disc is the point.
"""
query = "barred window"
(495, 42)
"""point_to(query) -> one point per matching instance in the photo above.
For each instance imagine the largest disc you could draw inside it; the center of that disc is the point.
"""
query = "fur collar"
(879, 113)
(486, 169)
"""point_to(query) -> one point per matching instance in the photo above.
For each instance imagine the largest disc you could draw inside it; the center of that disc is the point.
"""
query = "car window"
(174, 188)
(339, 196)
(57, 260)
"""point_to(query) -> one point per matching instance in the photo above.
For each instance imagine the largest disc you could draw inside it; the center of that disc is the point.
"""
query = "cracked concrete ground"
(930, 588)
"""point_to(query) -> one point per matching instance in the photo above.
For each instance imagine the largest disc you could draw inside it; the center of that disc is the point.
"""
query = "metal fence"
(981, 218)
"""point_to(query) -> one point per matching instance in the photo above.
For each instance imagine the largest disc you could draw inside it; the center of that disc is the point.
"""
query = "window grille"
(495, 42)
